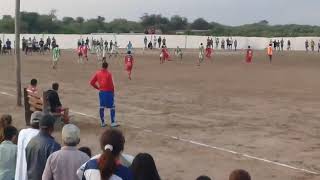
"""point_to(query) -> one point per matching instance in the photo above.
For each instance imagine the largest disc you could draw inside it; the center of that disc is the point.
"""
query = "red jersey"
(79, 50)
(129, 60)
(84, 50)
(104, 80)
(249, 53)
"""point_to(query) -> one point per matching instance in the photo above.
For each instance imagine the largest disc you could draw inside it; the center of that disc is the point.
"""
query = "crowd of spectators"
(34, 154)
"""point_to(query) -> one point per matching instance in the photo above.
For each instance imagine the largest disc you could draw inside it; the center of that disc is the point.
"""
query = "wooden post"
(18, 57)
(27, 112)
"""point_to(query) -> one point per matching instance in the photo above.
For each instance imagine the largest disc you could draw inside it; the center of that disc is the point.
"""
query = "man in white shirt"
(24, 137)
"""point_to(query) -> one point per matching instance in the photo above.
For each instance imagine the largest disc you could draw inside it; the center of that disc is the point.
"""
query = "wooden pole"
(18, 57)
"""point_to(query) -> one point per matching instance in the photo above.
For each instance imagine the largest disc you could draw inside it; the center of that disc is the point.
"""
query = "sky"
(228, 12)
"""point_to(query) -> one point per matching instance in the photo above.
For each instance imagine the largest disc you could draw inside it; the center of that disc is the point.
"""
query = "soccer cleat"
(115, 124)
(103, 124)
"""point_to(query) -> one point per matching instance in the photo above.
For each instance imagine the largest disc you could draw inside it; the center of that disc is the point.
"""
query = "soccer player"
(103, 82)
(129, 47)
(249, 55)
(201, 54)
(208, 51)
(162, 55)
(84, 51)
(270, 52)
(319, 46)
(129, 63)
(179, 53)
(80, 55)
(55, 56)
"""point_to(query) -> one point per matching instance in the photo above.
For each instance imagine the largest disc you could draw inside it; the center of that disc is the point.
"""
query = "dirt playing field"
(195, 120)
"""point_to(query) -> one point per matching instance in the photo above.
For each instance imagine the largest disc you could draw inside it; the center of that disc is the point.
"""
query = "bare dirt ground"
(266, 111)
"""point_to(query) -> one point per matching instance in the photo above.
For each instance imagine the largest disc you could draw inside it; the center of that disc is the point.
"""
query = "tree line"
(32, 22)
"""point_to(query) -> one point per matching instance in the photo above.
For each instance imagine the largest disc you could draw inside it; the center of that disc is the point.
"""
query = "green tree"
(7, 24)
(67, 20)
(200, 24)
(178, 23)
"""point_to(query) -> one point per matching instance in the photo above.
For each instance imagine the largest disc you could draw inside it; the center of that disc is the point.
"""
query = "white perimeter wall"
(69, 41)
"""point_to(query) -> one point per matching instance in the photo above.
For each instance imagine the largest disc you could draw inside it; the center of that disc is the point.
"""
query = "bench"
(33, 102)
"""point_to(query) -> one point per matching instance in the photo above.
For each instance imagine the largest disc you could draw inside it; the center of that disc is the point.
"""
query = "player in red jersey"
(129, 63)
(208, 51)
(80, 55)
(249, 55)
(164, 54)
(103, 82)
(84, 51)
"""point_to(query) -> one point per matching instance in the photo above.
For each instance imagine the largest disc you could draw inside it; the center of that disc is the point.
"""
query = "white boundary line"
(200, 144)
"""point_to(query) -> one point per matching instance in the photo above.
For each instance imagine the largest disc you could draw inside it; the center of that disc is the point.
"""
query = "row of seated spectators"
(34, 154)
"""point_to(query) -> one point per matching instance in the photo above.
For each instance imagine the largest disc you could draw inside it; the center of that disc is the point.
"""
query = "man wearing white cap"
(24, 137)
(63, 164)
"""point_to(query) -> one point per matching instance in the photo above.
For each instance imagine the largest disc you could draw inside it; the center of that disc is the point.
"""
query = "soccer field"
(211, 119)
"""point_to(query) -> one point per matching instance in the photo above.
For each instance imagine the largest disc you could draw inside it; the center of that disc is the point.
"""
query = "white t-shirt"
(24, 138)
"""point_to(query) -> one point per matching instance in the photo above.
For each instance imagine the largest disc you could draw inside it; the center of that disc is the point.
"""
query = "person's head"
(11, 134)
(35, 119)
(86, 150)
(105, 65)
(201, 44)
(203, 178)
(55, 86)
(249, 47)
(270, 44)
(144, 167)
(129, 52)
(112, 144)
(34, 82)
(5, 120)
(70, 135)
(239, 174)
(46, 124)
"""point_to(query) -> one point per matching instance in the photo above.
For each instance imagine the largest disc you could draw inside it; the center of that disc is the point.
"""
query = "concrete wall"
(70, 41)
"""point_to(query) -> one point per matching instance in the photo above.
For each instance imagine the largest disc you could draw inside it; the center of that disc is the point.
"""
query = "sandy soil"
(263, 110)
